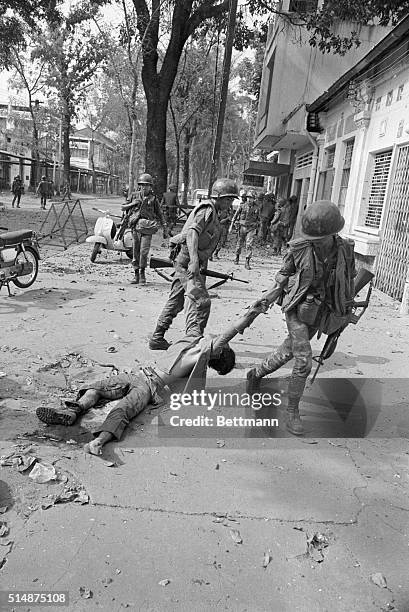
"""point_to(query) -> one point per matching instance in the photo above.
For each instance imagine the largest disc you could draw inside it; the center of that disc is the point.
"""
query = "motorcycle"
(109, 235)
(19, 256)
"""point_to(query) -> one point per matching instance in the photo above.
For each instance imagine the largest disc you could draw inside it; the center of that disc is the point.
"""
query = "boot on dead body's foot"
(158, 341)
(247, 264)
(142, 279)
(60, 416)
(135, 280)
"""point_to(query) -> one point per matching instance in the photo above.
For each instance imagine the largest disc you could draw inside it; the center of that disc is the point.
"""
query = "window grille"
(304, 160)
(349, 149)
(253, 180)
(377, 193)
(330, 155)
(378, 103)
(399, 94)
(389, 98)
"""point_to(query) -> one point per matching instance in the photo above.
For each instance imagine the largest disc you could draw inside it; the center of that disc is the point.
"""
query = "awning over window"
(261, 168)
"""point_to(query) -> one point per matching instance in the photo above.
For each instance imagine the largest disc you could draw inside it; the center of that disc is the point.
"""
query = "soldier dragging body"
(145, 215)
(188, 357)
(191, 250)
(247, 215)
(316, 289)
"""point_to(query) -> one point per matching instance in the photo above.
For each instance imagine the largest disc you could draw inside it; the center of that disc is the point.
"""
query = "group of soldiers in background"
(45, 189)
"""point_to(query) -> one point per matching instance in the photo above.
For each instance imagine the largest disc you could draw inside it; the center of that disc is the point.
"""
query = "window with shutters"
(377, 191)
(326, 177)
(304, 160)
(346, 171)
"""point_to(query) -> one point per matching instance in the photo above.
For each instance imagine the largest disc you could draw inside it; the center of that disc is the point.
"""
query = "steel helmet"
(321, 219)
(145, 179)
(223, 188)
(43, 178)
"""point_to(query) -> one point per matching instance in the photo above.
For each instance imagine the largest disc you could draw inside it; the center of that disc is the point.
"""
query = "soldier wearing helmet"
(190, 252)
(170, 203)
(316, 286)
(43, 190)
(247, 215)
(144, 215)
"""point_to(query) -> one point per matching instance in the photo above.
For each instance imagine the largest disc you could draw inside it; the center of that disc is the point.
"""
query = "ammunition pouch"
(308, 310)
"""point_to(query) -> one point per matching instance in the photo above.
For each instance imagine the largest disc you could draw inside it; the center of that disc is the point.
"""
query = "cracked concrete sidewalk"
(166, 509)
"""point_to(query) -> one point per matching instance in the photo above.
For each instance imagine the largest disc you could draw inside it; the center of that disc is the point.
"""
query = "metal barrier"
(64, 224)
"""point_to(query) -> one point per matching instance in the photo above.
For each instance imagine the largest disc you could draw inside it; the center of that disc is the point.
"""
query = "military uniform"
(247, 215)
(170, 203)
(204, 220)
(225, 217)
(144, 222)
(266, 214)
(318, 288)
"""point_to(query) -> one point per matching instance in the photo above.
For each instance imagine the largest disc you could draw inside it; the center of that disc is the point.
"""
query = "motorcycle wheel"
(129, 253)
(32, 257)
(95, 251)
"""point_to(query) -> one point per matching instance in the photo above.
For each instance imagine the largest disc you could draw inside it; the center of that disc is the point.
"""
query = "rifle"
(364, 277)
(161, 262)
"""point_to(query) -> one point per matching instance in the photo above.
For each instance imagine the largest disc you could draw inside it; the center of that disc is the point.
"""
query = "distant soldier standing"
(17, 189)
(247, 215)
(43, 189)
(316, 288)
(145, 216)
(170, 203)
(190, 253)
(267, 211)
(293, 204)
(225, 217)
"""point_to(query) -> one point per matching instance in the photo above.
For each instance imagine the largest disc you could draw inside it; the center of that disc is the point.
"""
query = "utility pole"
(231, 28)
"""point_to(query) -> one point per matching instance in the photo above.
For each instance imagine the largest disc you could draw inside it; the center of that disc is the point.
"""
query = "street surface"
(221, 521)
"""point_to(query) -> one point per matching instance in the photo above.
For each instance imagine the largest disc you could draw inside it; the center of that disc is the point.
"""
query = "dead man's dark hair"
(225, 362)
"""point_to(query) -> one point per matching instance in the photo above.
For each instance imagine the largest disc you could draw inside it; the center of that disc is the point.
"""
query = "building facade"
(363, 160)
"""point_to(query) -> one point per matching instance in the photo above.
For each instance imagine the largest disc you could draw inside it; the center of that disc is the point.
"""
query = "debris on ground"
(86, 593)
(267, 558)
(43, 472)
(4, 529)
(164, 582)
(3, 509)
(235, 534)
(220, 443)
(379, 579)
(315, 546)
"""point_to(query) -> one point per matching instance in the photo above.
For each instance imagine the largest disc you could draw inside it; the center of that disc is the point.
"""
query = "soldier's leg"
(250, 236)
(241, 237)
(146, 241)
(196, 306)
(173, 306)
(300, 335)
(136, 250)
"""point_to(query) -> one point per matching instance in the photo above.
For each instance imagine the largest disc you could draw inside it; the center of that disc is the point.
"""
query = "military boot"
(237, 260)
(135, 281)
(60, 416)
(252, 382)
(247, 264)
(142, 277)
(158, 341)
(293, 423)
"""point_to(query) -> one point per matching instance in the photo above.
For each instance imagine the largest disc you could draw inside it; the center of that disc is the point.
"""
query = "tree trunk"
(66, 128)
(155, 144)
(132, 155)
(186, 165)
